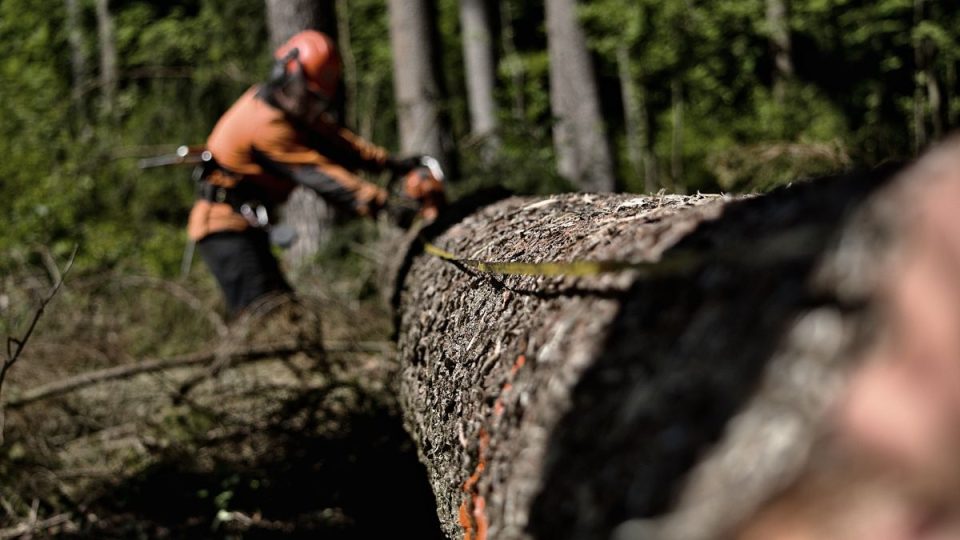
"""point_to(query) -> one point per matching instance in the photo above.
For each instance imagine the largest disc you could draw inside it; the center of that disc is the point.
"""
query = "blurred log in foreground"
(734, 390)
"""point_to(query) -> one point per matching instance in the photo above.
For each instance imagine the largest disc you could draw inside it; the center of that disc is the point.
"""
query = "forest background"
(688, 95)
(710, 95)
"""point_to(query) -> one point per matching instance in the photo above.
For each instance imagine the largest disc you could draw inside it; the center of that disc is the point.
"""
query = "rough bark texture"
(416, 83)
(583, 154)
(632, 404)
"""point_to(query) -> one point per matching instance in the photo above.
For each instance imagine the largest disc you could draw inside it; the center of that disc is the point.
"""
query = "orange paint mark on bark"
(465, 521)
(474, 478)
(498, 406)
(480, 517)
(467, 517)
(481, 462)
(521, 360)
(472, 511)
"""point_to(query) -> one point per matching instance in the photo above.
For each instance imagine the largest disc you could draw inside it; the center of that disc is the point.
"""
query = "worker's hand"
(427, 190)
(418, 186)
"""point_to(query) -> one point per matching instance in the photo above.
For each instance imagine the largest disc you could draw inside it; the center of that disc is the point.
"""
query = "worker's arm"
(345, 147)
(322, 160)
(353, 151)
(334, 183)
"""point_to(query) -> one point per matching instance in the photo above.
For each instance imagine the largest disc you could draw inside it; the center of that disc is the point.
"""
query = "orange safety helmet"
(317, 56)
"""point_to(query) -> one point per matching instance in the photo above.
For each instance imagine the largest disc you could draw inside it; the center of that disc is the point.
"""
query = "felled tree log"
(666, 401)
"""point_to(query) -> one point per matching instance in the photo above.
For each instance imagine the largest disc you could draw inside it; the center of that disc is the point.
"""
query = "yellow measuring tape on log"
(580, 268)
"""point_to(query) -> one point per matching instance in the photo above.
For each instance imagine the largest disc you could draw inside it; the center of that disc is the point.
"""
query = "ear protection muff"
(279, 71)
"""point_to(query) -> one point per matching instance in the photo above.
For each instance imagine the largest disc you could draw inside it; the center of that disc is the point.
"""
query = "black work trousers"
(243, 265)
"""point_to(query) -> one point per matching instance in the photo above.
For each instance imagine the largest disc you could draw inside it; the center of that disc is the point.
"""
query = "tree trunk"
(416, 81)
(919, 104)
(305, 211)
(953, 113)
(935, 97)
(78, 56)
(480, 73)
(108, 55)
(580, 407)
(779, 28)
(514, 65)
(287, 17)
(676, 140)
(935, 101)
(635, 118)
(583, 153)
(350, 85)
(651, 174)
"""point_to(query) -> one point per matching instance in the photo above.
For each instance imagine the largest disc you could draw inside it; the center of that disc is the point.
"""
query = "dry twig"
(15, 346)
(33, 526)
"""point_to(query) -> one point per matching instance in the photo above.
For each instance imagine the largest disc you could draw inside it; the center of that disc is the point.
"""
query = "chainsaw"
(184, 155)
(282, 236)
(421, 189)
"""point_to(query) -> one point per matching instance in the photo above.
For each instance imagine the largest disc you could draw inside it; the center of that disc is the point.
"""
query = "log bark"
(632, 404)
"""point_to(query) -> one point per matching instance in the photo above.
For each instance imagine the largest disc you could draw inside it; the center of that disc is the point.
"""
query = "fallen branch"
(248, 355)
(32, 527)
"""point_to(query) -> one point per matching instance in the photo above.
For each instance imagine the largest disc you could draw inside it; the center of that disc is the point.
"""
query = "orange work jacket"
(254, 142)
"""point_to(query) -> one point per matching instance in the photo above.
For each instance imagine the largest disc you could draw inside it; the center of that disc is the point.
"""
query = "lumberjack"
(280, 135)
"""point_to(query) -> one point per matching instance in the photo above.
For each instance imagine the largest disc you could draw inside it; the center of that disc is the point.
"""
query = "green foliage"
(69, 169)
(523, 166)
(70, 165)
(369, 48)
(872, 81)
(854, 76)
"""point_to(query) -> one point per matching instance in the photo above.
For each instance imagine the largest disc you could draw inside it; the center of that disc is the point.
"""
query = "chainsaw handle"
(184, 155)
